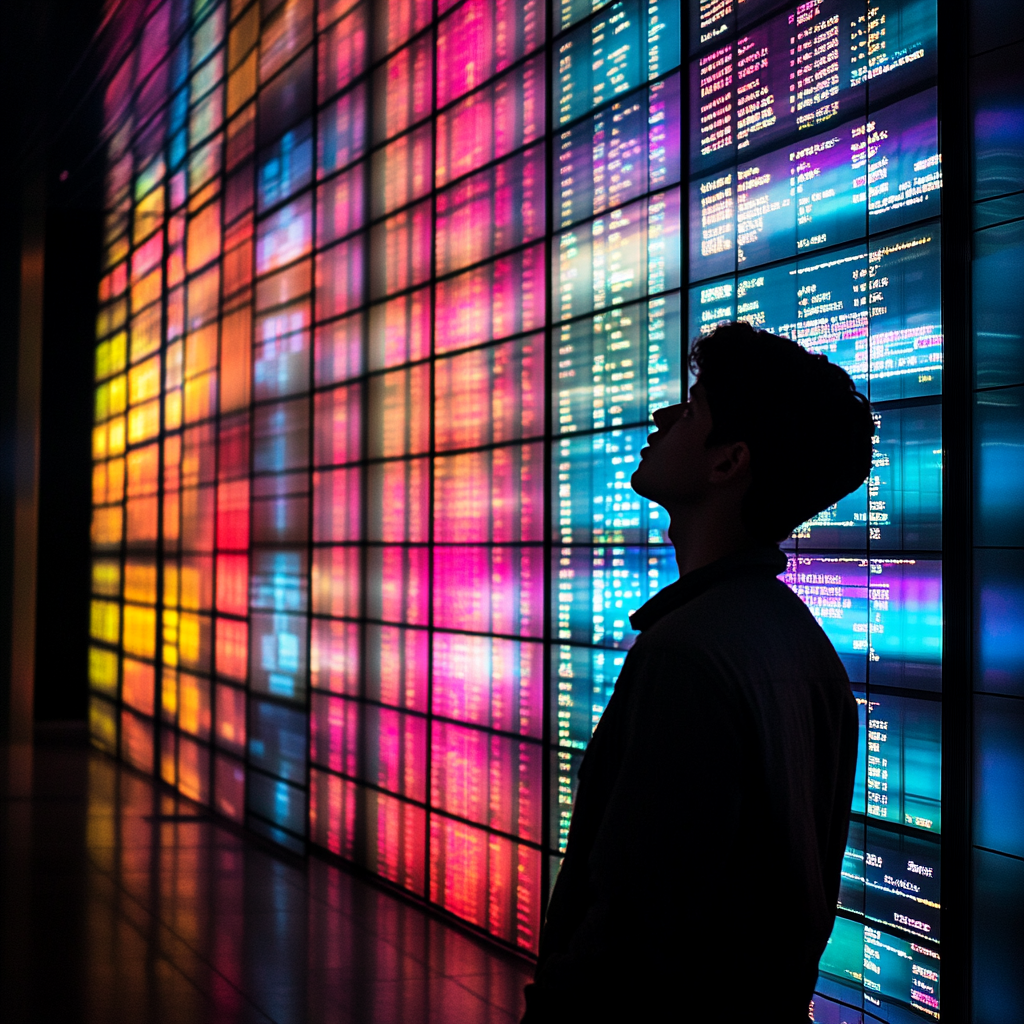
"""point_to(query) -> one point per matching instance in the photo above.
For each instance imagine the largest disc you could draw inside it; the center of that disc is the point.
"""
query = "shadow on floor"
(120, 903)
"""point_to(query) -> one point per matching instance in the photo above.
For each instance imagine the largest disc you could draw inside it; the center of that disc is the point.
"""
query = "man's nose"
(666, 416)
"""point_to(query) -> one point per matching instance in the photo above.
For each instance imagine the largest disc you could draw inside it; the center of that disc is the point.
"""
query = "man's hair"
(807, 427)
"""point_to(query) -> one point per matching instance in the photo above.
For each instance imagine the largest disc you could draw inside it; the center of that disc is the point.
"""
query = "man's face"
(677, 466)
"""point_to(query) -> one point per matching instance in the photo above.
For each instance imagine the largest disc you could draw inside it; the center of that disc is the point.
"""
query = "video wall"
(389, 293)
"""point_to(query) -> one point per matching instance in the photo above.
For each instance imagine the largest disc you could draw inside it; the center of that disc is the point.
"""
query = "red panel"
(334, 733)
(232, 649)
(398, 501)
(233, 584)
(337, 504)
(229, 787)
(229, 702)
(137, 741)
(338, 423)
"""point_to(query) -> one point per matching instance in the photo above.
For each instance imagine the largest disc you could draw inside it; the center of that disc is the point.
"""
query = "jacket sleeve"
(666, 841)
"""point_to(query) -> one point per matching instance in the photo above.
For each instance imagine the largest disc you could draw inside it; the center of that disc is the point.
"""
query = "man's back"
(706, 843)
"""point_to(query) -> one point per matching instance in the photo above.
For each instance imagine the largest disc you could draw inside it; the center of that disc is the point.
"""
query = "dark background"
(51, 183)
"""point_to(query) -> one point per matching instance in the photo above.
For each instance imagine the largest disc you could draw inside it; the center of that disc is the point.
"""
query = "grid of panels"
(389, 292)
(814, 204)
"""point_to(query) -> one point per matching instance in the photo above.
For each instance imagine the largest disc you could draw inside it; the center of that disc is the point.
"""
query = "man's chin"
(637, 482)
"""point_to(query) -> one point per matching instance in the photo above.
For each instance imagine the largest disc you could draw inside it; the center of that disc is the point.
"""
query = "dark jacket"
(703, 861)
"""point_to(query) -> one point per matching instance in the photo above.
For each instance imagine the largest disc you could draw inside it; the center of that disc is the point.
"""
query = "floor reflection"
(123, 903)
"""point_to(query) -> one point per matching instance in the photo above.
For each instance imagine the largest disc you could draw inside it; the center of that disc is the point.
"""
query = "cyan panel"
(998, 948)
(999, 621)
(995, 283)
(999, 468)
(999, 773)
(997, 109)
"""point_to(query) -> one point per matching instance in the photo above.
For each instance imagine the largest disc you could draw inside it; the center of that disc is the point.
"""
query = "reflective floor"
(121, 904)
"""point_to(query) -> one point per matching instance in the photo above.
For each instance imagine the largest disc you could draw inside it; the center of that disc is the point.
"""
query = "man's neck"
(702, 536)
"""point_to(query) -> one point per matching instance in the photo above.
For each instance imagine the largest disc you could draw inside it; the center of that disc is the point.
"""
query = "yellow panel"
(139, 631)
(201, 397)
(201, 350)
(104, 621)
(106, 526)
(242, 85)
(149, 214)
(118, 394)
(140, 580)
(146, 332)
(170, 584)
(170, 636)
(144, 381)
(148, 289)
(102, 360)
(115, 436)
(103, 671)
(244, 35)
(103, 725)
(115, 480)
(144, 421)
(117, 251)
(101, 403)
(106, 576)
(190, 637)
(169, 693)
(144, 470)
(172, 410)
(118, 351)
(99, 441)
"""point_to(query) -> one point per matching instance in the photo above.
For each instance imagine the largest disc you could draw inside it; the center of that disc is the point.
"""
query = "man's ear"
(731, 463)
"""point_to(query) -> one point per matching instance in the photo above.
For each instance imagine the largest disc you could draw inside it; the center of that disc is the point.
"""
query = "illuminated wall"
(389, 292)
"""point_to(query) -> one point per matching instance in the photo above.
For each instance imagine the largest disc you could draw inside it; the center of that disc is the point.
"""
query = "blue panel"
(998, 931)
(999, 773)
(997, 104)
(595, 503)
(286, 167)
(710, 304)
(998, 270)
(583, 681)
(278, 655)
(999, 468)
(595, 589)
(279, 580)
(278, 802)
(281, 436)
(999, 621)
(277, 740)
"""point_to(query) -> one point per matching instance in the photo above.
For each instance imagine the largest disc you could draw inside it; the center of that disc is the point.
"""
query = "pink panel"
(491, 211)
(398, 501)
(229, 787)
(400, 330)
(458, 869)
(489, 302)
(336, 586)
(233, 515)
(403, 89)
(229, 704)
(397, 584)
(339, 206)
(334, 656)
(339, 278)
(491, 123)
(513, 908)
(402, 247)
(337, 504)
(399, 829)
(489, 395)
(332, 812)
(396, 666)
(489, 590)
(397, 20)
(339, 350)
(488, 681)
(337, 426)
(334, 733)
(481, 38)
(396, 751)
(342, 53)
(495, 495)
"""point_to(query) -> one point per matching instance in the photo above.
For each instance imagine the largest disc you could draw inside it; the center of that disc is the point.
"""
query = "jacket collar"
(763, 560)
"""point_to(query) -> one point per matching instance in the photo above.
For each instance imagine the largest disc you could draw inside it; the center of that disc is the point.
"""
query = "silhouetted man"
(704, 855)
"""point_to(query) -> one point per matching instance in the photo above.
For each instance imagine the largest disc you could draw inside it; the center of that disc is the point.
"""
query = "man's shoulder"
(745, 621)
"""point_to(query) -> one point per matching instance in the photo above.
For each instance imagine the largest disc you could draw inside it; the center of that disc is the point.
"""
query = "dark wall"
(51, 113)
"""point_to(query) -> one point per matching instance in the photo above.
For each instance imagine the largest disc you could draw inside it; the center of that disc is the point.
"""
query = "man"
(704, 855)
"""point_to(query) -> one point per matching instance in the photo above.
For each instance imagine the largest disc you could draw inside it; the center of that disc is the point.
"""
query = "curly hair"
(808, 429)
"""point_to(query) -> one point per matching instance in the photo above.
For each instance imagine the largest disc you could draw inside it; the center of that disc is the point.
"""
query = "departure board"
(814, 212)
